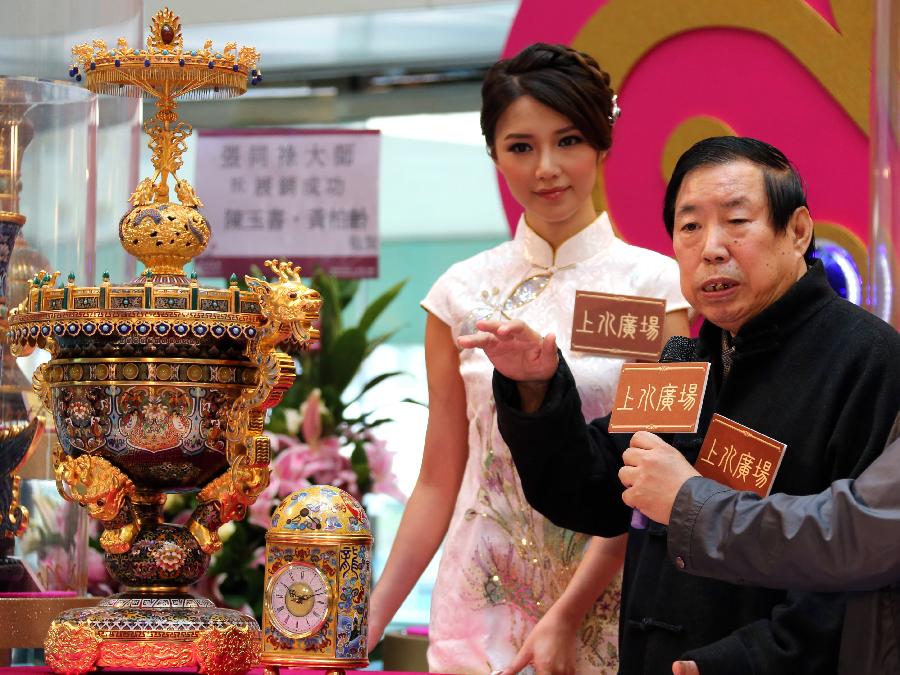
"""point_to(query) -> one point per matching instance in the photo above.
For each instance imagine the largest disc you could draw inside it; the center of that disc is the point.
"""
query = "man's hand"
(515, 350)
(685, 667)
(654, 471)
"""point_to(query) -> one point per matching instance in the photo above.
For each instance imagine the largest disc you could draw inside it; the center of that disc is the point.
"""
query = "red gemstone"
(167, 33)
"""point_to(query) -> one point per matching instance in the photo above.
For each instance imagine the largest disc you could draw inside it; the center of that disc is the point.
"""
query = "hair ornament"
(615, 111)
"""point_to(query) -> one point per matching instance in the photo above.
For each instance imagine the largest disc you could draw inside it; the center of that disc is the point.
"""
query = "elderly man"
(788, 358)
(846, 538)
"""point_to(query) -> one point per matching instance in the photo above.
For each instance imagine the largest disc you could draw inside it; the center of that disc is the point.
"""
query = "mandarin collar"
(768, 329)
(575, 249)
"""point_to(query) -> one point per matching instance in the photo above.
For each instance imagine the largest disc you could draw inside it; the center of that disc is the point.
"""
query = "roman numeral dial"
(299, 600)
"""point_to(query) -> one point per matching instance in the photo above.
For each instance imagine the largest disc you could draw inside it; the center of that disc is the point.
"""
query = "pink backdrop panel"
(758, 89)
(743, 78)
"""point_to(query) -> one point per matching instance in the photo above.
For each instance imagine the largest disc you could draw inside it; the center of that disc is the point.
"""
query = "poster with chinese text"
(308, 196)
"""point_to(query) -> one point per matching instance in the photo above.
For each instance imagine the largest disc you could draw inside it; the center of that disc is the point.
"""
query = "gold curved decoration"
(291, 309)
(12, 217)
(622, 32)
(685, 135)
(19, 440)
(232, 492)
(40, 386)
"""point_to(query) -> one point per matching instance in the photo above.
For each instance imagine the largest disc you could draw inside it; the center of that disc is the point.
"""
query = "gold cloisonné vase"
(159, 385)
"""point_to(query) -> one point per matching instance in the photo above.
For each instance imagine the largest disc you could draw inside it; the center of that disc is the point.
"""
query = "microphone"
(678, 348)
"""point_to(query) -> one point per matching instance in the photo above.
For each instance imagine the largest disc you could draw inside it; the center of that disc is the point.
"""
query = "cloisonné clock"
(318, 572)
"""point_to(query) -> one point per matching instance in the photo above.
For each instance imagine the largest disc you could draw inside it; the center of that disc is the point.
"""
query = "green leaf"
(378, 305)
(331, 311)
(348, 289)
(360, 463)
(414, 401)
(374, 382)
(347, 354)
(380, 340)
(278, 422)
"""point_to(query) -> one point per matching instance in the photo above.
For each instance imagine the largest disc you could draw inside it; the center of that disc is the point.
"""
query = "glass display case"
(36, 39)
(47, 209)
(77, 155)
(884, 296)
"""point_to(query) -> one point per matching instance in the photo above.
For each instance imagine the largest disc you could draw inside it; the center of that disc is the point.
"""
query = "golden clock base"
(153, 633)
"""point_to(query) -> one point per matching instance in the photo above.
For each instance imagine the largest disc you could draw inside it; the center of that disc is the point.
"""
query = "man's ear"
(800, 229)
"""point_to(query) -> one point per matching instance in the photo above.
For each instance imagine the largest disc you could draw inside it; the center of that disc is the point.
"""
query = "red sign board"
(622, 326)
(739, 457)
(659, 397)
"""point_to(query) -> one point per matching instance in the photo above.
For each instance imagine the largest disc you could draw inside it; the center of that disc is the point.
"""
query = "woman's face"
(548, 165)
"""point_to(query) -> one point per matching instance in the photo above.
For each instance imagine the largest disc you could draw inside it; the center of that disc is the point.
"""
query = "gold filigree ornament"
(229, 650)
(166, 71)
(104, 636)
(71, 649)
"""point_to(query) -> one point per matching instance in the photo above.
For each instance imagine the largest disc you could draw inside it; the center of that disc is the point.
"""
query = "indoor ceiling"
(317, 39)
(330, 61)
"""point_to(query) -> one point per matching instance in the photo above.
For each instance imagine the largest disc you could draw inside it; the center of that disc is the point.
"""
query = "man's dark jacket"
(846, 538)
(811, 370)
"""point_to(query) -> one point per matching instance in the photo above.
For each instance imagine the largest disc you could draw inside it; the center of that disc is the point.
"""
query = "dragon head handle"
(288, 301)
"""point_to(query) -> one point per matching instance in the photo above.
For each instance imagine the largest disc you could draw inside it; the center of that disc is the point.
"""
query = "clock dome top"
(320, 509)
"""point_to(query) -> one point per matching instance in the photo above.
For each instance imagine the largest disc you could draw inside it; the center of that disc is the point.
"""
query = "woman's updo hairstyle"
(567, 80)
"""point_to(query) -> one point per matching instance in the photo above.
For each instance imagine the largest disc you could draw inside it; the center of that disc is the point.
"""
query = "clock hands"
(297, 597)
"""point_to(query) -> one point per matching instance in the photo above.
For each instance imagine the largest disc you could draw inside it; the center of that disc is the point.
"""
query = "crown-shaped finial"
(285, 271)
(165, 69)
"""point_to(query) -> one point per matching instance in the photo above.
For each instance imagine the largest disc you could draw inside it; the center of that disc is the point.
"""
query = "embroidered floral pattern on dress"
(522, 294)
(531, 566)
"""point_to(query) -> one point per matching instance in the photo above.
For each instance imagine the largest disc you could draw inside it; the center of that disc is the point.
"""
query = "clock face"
(299, 600)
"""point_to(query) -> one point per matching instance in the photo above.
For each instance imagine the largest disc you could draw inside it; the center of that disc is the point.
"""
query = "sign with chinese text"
(623, 326)
(739, 457)
(308, 196)
(659, 397)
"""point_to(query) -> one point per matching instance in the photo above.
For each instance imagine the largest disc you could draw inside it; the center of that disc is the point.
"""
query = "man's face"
(733, 263)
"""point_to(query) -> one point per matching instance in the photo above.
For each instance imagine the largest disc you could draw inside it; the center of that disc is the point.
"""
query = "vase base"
(153, 632)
